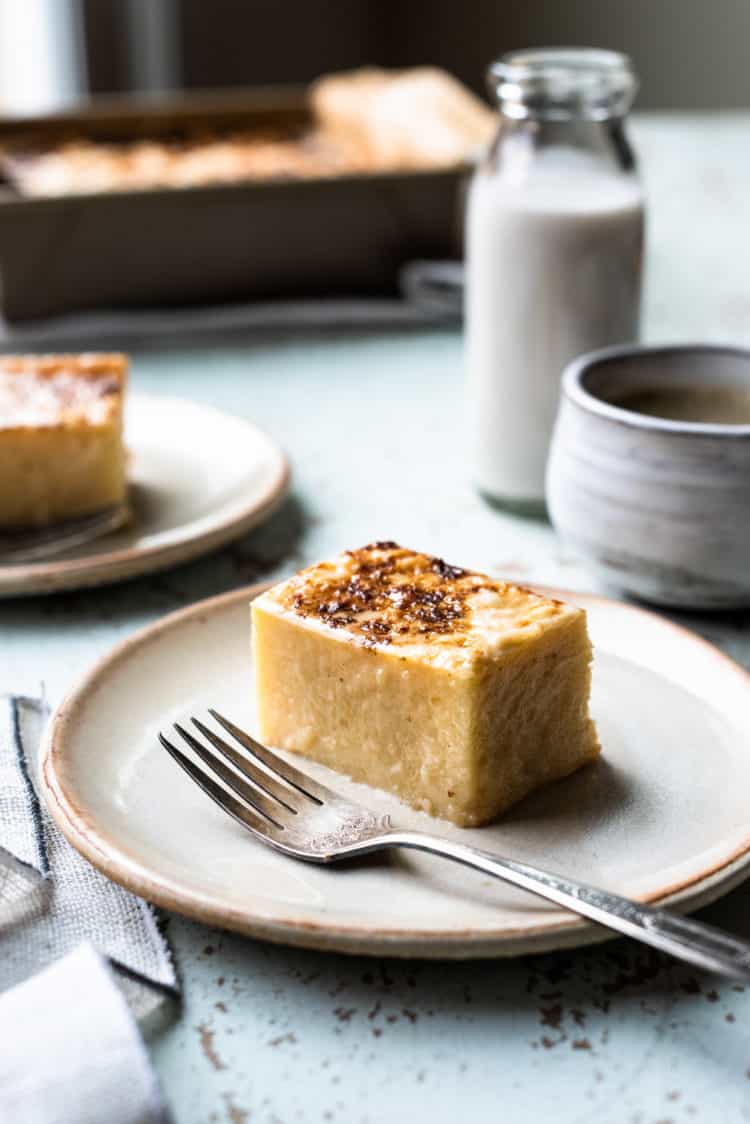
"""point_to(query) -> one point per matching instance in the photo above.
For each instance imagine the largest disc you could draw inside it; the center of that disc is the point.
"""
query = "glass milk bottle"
(554, 240)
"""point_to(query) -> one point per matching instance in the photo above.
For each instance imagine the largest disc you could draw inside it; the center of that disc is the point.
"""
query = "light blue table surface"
(372, 423)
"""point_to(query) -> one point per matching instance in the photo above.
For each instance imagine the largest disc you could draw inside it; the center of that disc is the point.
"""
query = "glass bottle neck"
(563, 85)
(521, 143)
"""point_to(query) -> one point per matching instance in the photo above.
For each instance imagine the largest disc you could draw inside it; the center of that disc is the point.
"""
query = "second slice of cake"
(61, 447)
(457, 693)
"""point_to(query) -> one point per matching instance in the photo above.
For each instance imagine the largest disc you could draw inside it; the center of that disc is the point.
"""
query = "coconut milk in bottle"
(554, 237)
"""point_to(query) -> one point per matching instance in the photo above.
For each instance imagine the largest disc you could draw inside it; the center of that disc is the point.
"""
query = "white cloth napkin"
(71, 1051)
(51, 902)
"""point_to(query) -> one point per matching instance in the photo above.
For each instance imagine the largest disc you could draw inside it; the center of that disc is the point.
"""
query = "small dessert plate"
(197, 478)
(654, 818)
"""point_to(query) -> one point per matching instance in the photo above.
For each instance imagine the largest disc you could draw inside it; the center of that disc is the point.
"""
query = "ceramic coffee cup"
(660, 507)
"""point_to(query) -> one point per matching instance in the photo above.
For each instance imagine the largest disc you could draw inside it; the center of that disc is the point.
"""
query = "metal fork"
(289, 811)
(37, 543)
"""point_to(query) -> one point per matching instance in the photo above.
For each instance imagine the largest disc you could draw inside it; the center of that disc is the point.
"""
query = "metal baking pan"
(179, 246)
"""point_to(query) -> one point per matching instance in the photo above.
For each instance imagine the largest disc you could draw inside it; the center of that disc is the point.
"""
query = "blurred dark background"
(690, 54)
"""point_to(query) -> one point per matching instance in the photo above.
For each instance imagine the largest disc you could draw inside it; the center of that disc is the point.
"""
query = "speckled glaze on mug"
(660, 507)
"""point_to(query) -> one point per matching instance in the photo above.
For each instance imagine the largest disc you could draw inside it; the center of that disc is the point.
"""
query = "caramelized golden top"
(83, 166)
(386, 595)
(53, 390)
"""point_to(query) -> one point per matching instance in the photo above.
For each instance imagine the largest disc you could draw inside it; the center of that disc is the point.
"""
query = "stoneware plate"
(198, 478)
(664, 815)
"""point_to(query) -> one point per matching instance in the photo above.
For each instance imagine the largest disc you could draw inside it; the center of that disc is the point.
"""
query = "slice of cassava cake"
(61, 447)
(457, 693)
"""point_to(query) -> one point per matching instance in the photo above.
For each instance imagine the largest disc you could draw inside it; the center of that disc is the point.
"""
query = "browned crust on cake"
(89, 365)
(72, 385)
(390, 595)
(85, 166)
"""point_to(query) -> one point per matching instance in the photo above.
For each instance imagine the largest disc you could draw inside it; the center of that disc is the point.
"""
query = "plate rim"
(52, 576)
(102, 851)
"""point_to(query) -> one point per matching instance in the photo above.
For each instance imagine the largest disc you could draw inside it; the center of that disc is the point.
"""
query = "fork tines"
(271, 791)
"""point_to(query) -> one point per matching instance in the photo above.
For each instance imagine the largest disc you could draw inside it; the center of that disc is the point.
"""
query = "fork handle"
(698, 944)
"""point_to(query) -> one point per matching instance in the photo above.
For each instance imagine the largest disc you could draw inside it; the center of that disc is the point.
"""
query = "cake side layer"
(371, 715)
(49, 475)
(531, 718)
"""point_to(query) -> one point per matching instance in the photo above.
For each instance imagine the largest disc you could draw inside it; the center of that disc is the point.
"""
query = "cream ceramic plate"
(665, 814)
(198, 478)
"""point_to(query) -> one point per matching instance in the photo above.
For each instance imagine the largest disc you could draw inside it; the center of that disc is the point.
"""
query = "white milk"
(553, 270)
